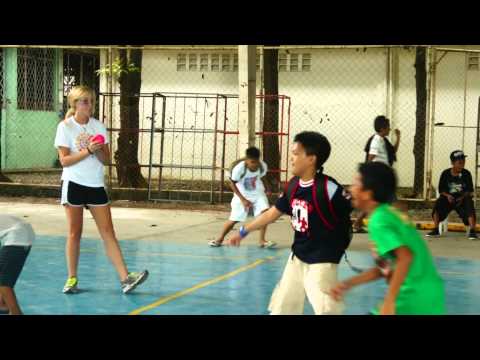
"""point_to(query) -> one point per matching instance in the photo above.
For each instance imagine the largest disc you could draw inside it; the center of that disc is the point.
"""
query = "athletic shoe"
(268, 245)
(133, 280)
(71, 286)
(472, 235)
(434, 233)
(214, 243)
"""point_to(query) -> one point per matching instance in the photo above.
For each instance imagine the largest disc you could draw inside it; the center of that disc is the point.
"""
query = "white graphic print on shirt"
(300, 215)
(250, 184)
(455, 188)
(82, 141)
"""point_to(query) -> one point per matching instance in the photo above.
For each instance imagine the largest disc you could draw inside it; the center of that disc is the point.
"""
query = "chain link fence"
(455, 104)
(173, 121)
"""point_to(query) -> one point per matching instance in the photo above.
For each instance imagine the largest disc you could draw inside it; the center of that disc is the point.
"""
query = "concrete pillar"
(246, 96)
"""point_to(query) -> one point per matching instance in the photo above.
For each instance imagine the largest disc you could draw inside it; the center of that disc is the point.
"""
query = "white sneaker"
(268, 245)
(214, 243)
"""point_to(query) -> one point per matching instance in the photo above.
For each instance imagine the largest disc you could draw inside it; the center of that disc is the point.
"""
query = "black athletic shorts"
(464, 209)
(74, 194)
(12, 259)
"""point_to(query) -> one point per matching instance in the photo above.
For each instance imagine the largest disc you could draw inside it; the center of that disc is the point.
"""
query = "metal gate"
(186, 142)
(185, 147)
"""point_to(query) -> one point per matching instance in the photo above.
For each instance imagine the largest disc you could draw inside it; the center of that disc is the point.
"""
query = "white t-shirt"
(75, 136)
(15, 232)
(250, 185)
(378, 148)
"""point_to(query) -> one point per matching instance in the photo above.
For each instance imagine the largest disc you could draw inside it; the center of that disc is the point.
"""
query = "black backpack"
(392, 157)
(340, 224)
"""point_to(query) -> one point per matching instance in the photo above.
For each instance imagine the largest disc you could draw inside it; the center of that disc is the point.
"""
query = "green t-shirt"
(422, 292)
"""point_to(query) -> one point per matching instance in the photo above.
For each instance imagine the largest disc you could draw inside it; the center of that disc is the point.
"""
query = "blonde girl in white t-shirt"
(82, 142)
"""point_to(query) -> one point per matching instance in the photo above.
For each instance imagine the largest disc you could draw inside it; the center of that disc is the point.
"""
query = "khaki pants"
(300, 279)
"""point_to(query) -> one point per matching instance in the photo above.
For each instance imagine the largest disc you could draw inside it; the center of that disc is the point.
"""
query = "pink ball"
(99, 138)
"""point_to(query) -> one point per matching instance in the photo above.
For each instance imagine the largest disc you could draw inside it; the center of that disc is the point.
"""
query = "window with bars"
(215, 62)
(306, 62)
(226, 62)
(282, 61)
(181, 62)
(473, 63)
(235, 62)
(79, 69)
(207, 62)
(192, 62)
(203, 62)
(294, 62)
(287, 62)
(35, 79)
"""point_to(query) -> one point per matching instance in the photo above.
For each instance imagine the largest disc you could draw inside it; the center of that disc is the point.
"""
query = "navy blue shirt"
(313, 242)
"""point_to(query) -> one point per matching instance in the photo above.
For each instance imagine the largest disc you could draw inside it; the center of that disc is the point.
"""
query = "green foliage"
(117, 69)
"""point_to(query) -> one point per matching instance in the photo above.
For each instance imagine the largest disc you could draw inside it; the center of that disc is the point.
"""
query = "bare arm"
(235, 190)
(103, 154)
(404, 259)
(397, 141)
(367, 276)
(68, 159)
(450, 198)
(371, 157)
(266, 218)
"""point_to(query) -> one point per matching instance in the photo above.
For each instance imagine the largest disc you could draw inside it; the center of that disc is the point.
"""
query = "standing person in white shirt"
(16, 237)
(246, 182)
(82, 142)
(379, 149)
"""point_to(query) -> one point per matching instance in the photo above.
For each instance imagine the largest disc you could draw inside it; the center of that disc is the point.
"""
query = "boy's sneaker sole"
(213, 243)
(268, 245)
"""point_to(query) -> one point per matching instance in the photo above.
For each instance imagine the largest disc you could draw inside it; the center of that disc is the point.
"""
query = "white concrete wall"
(449, 108)
(346, 88)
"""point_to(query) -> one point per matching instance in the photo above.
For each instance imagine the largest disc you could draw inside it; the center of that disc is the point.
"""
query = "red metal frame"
(284, 132)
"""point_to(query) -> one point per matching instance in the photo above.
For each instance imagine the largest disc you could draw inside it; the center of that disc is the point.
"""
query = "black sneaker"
(133, 280)
(434, 233)
(472, 235)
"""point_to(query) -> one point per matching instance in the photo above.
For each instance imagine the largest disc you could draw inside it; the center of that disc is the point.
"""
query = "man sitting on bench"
(456, 193)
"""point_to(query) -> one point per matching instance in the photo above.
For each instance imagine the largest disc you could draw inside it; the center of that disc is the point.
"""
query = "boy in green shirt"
(402, 256)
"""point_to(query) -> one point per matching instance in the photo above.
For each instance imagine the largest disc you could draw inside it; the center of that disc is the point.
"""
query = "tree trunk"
(126, 157)
(271, 150)
(421, 119)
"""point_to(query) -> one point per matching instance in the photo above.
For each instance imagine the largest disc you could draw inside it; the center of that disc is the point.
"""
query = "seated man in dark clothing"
(456, 193)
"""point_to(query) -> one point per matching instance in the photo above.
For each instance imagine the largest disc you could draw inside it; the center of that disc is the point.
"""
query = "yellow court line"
(201, 285)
